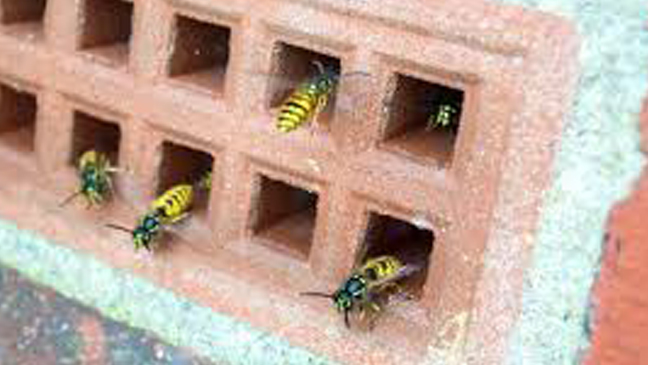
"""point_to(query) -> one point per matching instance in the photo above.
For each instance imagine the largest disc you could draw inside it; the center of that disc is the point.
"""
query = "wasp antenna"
(69, 198)
(119, 228)
(317, 294)
(319, 65)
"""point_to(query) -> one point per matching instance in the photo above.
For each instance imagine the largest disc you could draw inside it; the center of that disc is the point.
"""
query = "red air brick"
(289, 213)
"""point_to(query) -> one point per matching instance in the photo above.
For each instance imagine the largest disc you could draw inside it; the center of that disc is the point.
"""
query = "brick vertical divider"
(234, 203)
(152, 31)
(253, 72)
(355, 135)
(61, 24)
(53, 136)
(331, 256)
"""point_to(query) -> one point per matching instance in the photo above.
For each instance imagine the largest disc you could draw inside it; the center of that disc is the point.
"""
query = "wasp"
(95, 184)
(362, 289)
(205, 181)
(309, 98)
(444, 115)
(170, 207)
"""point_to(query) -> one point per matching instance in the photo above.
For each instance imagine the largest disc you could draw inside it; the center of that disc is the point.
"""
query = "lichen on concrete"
(597, 164)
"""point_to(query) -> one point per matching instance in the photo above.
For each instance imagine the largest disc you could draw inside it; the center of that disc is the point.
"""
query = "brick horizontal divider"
(138, 88)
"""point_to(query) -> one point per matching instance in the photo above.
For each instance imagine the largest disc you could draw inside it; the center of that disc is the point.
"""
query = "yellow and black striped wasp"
(366, 288)
(307, 100)
(95, 183)
(444, 114)
(170, 207)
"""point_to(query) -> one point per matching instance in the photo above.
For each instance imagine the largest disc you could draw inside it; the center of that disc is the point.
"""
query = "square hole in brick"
(91, 132)
(291, 66)
(24, 16)
(284, 215)
(423, 119)
(386, 235)
(106, 29)
(184, 165)
(200, 53)
(18, 110)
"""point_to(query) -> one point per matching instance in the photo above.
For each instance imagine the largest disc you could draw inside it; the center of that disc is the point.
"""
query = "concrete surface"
(41, 327)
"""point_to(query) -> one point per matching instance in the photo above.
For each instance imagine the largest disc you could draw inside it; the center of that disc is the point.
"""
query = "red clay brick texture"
(172, 86)
(620, 335)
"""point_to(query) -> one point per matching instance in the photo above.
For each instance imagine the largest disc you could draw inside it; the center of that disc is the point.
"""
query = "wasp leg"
(315, 120)
(178, 218)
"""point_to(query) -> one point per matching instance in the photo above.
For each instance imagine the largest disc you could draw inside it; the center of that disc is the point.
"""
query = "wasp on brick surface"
(95, 183)
(369, 287)
(308, 99)
(170, 207)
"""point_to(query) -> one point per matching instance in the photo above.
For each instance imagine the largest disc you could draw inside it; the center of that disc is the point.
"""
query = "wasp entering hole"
(390, 267)
(106, 29)
(422, 119)
(303, 87)
(18, 111)
(284, 216)
(185, 165)
(200, 53)
(94, 153)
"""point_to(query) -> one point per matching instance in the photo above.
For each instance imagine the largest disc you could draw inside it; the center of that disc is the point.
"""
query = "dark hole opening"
(285, 215)
(200, 53)
(18, 111)
(107, 28)
(90, 132)
(18, 11)
(410, 128)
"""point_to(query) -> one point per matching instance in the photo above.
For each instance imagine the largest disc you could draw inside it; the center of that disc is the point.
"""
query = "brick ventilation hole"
(22, 11)
(90, 132)
(387, 235)
(106, 29)
(291, 65)
(410, 106)
(200, 53)
(181, 164)
(18, 111)
(283, 216)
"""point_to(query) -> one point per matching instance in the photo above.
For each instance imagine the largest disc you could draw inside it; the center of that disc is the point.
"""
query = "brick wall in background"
(620, 303)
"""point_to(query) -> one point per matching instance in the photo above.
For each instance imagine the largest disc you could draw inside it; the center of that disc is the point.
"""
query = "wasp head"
(146, 231)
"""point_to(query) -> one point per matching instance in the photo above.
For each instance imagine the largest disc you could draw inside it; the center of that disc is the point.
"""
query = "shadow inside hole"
(90, 132)
(292, 65)
(200, 53)
(386, 235)
(19, 11)
(18, 110)
(285, 215)
(407, 129)
(107, 28)
(184, 165)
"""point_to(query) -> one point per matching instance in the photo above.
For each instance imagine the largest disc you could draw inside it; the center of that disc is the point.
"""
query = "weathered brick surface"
(191, 75)
(620, 311)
